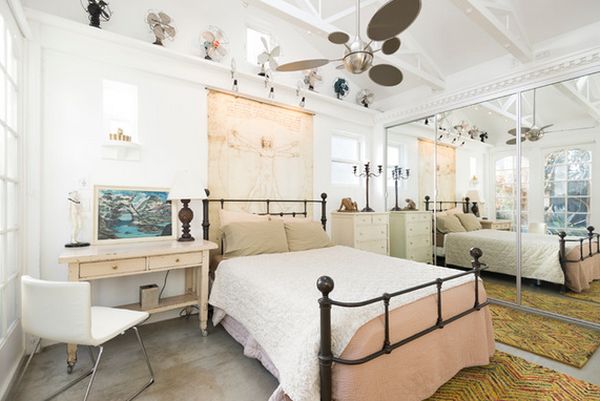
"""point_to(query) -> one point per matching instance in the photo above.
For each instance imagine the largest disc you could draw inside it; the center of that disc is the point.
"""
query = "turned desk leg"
(202, 289)
(72, 348)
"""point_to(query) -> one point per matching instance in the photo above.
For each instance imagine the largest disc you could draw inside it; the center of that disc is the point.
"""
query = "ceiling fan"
(535, 133)
(390, 20)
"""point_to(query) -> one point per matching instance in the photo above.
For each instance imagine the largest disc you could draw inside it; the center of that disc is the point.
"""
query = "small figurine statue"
(410, 204)
(75, 214)
(347, 205)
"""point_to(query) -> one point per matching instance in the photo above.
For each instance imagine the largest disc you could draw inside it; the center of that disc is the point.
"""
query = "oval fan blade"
(164, 18)
(276, 51)
(513, 131)
(339, 38)
(513, 141)
(152, 18)
(391, 19)
(262, 58)
(208, 36)
(264, 42)
(169, 30)
(340, 67)
(303, 65)
(390, 46)
(385, 75)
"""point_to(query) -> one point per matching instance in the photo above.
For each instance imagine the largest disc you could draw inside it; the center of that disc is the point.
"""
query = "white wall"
(172, 132)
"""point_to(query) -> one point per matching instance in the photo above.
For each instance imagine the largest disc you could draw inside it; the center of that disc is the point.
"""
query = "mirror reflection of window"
(505, 189)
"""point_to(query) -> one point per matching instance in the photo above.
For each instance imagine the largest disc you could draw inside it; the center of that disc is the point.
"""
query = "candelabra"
(368, 174)
(398, 173)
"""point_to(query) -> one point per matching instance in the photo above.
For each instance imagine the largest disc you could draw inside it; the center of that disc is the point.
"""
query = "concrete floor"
(187, 367)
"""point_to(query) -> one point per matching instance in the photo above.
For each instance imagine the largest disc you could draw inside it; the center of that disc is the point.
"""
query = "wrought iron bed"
(467, 205)
(325, 285)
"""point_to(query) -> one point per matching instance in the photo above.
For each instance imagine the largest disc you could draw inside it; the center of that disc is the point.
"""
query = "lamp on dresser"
(186, 187)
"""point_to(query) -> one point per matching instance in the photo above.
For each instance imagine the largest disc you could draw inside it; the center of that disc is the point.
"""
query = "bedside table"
(368, 231)
(502, 225)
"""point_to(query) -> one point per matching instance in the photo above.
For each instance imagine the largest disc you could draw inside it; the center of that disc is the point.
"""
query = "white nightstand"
(502, 225)
(368, 231)
(411, 235)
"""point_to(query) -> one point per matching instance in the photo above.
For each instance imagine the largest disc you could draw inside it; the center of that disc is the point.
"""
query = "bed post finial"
(324, 210)
(476, 253)
(427, 197)
(563, 255)
(590, 231)
(205, 220)
(325, 285)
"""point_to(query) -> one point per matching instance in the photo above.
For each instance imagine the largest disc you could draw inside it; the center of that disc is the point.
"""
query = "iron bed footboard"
(325, 285)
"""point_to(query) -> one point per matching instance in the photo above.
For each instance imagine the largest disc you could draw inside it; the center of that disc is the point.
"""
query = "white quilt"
(275, 298)
(539, 260)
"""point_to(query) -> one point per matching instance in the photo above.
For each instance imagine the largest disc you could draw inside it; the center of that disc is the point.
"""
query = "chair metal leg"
(37, 345)
(94, 371)
(74, 382)
(149, 382)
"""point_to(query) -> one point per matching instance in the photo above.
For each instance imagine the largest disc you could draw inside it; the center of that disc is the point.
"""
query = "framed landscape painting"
(128, 214)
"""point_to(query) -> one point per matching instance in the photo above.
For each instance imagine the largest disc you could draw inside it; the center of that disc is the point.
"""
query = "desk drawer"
(418, 228)
(114, 267)
(182, 259)
(379, 246)
(372, 232)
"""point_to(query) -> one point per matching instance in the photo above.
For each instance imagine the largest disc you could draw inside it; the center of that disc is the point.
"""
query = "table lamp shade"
(473, 196)
(187, 186)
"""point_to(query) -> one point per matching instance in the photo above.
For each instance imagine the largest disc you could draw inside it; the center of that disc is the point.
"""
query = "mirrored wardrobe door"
(560, 259)
(410, 177)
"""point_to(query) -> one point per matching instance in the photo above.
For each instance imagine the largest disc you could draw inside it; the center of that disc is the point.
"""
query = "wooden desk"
(110, 261)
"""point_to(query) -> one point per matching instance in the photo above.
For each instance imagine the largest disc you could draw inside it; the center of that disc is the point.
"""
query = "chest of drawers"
(366, 231)
(411, 235)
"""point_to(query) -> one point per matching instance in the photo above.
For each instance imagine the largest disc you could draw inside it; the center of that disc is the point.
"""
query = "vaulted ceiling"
(449, 36)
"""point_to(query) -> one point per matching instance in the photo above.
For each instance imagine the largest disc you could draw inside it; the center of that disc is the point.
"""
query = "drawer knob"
(115, 267)
(177, 260)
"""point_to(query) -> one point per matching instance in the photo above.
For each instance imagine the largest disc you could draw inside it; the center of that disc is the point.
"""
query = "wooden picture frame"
(157, 214)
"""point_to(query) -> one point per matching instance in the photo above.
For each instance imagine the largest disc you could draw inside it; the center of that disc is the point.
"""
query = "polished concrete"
(187, 367)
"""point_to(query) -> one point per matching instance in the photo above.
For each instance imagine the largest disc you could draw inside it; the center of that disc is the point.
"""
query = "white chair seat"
(108, 323)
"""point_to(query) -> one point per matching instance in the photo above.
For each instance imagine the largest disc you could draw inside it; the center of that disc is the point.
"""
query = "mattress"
(274, 298)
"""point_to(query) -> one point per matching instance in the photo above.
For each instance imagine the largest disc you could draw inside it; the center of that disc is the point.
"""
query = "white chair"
(537, 228)
(62, 312)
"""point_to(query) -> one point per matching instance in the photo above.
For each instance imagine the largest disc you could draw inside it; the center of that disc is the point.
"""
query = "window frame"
(524, 196)
(360, 139)
(565, 149)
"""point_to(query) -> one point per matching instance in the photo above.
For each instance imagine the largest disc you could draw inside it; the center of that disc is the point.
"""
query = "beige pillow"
(229, 216)
(302, 236)
(449, 224)
(254, 238)
(455, 210)
(469, 221)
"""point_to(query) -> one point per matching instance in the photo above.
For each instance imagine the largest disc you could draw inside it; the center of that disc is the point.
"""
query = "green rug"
(558, 303)
(510, 378)
(563, 342)
(592, 294)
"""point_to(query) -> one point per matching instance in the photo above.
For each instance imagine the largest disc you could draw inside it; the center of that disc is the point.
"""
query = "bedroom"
(92, 116)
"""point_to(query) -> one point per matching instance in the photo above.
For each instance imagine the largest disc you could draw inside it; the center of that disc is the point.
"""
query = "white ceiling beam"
(479, 13)
(309, 6)
(575, 96)
(414, 44)
(349, 11)
(322, 28)
(495, 109)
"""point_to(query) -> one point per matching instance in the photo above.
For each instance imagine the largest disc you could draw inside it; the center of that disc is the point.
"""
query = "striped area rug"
(510, 378)
(551, 338)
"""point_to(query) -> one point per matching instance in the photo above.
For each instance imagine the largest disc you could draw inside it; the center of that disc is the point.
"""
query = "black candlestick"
(367, 174)
(397, 175)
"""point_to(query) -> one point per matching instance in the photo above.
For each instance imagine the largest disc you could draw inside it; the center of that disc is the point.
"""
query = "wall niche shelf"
(123, 151)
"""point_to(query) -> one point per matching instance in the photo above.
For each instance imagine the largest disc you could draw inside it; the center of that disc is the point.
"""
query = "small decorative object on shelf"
(268, 56)
(348, 205)
(483, 136)
(119, 136)
(398, 173)
(234, 84)
(160, 25)
(341, 88)
(214, 41)
(410, 205)
(301, 93)
(311, 77)
(186, 187)
(75, 215)
(365, 97)
(98, 10)
(368, 174)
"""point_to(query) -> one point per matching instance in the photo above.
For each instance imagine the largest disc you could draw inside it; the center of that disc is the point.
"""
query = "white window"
(346, 152)
(254, 44)
(505, 189)
(568, 195)
(120, 109)
(10, 178)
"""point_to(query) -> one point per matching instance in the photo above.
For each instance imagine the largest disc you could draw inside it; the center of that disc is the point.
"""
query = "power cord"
(164, 285)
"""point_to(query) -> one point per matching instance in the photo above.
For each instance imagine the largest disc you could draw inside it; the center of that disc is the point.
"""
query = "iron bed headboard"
(325, 285)
(268, 203)
(467, 205)
(591, 235)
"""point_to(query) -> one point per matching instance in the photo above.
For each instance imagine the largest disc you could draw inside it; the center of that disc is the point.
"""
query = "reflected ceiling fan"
(535, 133)
(389, 21)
